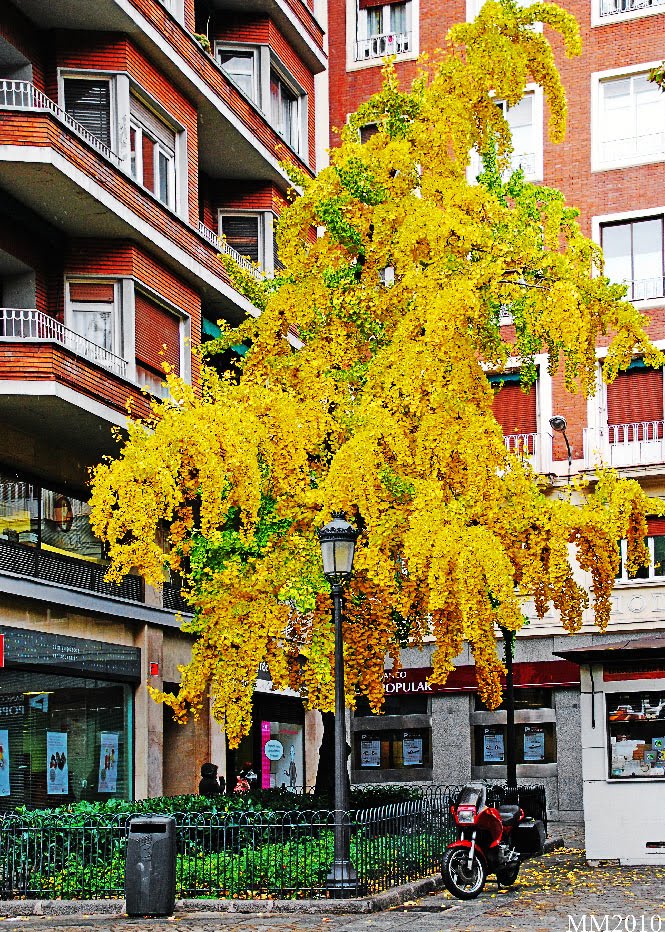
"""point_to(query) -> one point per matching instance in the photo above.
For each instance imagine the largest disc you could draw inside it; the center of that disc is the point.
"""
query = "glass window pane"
(164, 172)
(398, 18)
(648, 258)
(65, 527)
(636, 732)
(94, 322)
(148, 151)
(374, 21)
(18, 511)
(239, 66)
(616, 243)
(659, 556)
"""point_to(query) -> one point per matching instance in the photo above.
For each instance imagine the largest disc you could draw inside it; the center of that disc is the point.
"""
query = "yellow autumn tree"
(384, 409)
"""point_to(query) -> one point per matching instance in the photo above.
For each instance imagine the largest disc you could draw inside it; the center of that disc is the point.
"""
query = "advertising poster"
(4, 763)
(412, 751)
(265, 760)
(370, 752)
(108, 762)
(493, 746)
(57, 765)
(534, 743)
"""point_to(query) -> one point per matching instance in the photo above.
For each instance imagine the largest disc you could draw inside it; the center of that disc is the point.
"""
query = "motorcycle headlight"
(466, 814)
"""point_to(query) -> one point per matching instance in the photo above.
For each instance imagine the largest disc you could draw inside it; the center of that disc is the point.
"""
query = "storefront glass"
(399, 749)
(636, 733)
(63, 739)
(282, 755)
(535, 743)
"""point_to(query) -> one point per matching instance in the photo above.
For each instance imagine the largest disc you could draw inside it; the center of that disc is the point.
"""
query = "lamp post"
(559, 424)
(338, 540)
(511, 741)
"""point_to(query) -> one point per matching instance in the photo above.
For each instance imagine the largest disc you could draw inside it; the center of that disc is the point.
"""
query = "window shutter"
(156, 327)
(635, 397)
(95, 292)
(656, 527)
(371, 4)
(243, 234)
(89, 103)
(515, 410)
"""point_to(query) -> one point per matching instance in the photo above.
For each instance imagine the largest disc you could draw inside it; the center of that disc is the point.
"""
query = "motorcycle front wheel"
(464, 882)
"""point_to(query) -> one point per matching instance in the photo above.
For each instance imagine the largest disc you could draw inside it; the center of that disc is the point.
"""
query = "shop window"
(241, 65)
(19, 511)
(636, 734)
(88, 101)
(287, 109)
(630, 121)
(393, 750)
(63, 739)
(526, 697)
(656, 544)
(516, 412)
(93, 311)
(383, 28)
(158, 340)
(635, 405)
(152, 146)
(634, 256)
(536, 744)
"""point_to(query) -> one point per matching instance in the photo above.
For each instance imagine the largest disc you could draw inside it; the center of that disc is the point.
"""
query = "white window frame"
(622, 16)
(624, 580)
(601, 220)
(176, 161)
(117, 323)
(287, 79)
(80, 74)
(356, 30)
(597, 80)
(265, 233)
(536, 92)
(257, 96)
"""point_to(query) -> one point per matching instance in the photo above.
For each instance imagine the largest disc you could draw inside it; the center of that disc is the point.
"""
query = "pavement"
(556, 893)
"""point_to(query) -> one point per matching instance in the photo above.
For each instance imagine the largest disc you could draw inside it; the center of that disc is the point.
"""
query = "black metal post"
(342, 879)
(511, 741)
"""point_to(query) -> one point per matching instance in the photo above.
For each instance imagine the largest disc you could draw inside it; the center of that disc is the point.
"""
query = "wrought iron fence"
(242, 856)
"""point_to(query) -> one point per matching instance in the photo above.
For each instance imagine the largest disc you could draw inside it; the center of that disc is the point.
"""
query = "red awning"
(414, 681)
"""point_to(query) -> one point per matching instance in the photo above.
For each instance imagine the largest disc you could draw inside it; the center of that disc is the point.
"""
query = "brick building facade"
(612, 166)
(133, 133)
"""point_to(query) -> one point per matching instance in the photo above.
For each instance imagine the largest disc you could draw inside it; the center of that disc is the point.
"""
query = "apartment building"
(612, 166)
(133, 134)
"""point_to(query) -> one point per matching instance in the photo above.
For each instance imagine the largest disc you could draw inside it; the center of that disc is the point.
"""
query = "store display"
(636, 722)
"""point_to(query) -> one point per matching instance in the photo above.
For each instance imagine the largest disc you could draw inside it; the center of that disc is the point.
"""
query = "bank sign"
(413, 681)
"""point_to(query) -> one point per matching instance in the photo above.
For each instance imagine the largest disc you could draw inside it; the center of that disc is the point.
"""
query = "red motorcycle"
(490, 841)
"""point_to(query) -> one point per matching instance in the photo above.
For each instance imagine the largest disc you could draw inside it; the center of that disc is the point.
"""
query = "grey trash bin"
(150, 866)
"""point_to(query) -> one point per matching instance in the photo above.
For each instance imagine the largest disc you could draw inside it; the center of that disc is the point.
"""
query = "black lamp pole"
(337, 546)
(511, 739)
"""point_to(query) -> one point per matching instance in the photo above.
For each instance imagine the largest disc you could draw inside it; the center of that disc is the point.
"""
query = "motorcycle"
(490, 841)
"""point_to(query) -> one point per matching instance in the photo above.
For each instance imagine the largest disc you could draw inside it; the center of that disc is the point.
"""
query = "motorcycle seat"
(509, 814)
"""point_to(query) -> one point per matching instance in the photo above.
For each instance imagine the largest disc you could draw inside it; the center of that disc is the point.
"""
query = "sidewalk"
(556, 893)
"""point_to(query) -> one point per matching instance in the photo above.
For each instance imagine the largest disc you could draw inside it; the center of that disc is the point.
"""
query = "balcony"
(645, 289)
(616, 7)
(221, 245)
(526, 446)
(625, 445)
(21, 324)
(387, 43)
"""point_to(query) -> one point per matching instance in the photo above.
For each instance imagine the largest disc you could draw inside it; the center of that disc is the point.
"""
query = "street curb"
(201, 908)
(552, 845)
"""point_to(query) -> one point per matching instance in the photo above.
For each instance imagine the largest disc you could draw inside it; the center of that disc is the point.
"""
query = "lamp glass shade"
(338, 540)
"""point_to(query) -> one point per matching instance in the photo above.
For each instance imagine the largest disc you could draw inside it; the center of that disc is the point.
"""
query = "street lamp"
(338, 541)
(559, 424)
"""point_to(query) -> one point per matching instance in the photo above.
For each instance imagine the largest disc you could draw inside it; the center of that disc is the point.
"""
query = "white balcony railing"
(638, 444)
(524, 445)
(29, 325)
(616, 7)
(388, 43)
(22, 95)
(222, 246)
(645, 289)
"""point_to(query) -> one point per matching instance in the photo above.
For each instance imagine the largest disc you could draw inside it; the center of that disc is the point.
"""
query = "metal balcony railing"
(388, 43)
(28, 324)
(521, 444)
(220, 244)
(646, 289)
(616, 7)
(641, 443)
(22, 95)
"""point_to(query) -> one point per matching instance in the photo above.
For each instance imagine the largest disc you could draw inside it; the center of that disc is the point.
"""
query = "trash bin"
(150, 866)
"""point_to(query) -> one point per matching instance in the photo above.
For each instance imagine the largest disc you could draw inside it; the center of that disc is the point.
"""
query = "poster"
(370, 752)
(534, 743)
(493, 746)
(412, 751)
(108, 762)
(57, 765)
(4, 763)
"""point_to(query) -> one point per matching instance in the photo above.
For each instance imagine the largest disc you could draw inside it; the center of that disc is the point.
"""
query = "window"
(526, 126)
(393, 750)
(634, 256)
(157, 340)
(285, 110)
(367, 131)
(243, 233)
(631, 122)
(383, 29)
(536, 744)
(656, 544)
(608, 11)
(88, 101)
(635, 405)
(93, 313)
(516, 412)
(152, 147)
(636, 734)
(241, 65)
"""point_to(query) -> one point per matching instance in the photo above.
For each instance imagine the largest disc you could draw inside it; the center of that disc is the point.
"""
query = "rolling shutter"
(636, 397)
(515, 410)
(656, 527)
(242, 232)
(153, 124)
(95, 292)
(371, 4)
(89, 103)
(156, 327)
